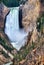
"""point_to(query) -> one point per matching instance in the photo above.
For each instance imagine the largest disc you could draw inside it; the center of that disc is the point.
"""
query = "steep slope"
(30, 11)
(33, 52)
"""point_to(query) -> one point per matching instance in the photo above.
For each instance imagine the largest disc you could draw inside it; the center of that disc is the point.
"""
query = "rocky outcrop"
(3, 11)
(30, 11)
(36, 56)
(1, 16)
(34, 36)
(3, 60)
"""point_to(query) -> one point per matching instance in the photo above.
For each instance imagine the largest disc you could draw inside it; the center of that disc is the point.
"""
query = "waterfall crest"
(15, 34)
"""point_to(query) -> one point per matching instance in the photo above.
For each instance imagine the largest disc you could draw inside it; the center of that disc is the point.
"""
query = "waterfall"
(15, 34)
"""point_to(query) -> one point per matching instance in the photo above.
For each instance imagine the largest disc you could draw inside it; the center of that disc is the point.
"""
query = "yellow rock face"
(31, 11)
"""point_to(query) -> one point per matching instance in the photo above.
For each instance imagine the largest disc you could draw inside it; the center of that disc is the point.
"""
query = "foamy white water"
(17, 36)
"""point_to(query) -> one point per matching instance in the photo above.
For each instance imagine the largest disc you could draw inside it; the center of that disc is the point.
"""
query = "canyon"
(31, 11)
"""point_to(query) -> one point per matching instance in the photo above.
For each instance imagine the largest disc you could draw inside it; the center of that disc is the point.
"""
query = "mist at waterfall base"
(16, 35)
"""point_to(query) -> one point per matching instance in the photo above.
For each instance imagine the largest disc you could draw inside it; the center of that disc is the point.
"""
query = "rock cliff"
(30, 11)
(3, 11)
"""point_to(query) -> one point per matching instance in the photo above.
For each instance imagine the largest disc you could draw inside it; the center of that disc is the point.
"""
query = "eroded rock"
(3, 11)
(30, 14)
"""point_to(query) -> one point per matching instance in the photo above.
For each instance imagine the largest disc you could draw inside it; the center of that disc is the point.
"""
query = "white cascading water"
(17, 36)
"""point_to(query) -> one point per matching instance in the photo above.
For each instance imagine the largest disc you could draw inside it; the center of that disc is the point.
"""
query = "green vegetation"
(4, 54)
(11, 3)
(3, 43)
(0, 0)
(40, 23)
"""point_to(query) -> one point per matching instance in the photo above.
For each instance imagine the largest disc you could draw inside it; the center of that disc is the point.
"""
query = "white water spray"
(17, 36)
